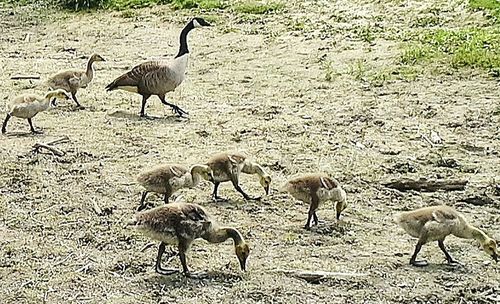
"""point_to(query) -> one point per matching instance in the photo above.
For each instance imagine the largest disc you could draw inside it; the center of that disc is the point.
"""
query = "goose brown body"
(167, 179)
(228, 167)
(435, 223)
(74, 79)
(179, 224)
(159, 77)
(29, 105)
(315, 189)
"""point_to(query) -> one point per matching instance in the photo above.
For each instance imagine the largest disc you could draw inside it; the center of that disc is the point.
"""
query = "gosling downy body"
(29, 105)
(316, 189)
(159, 77)
(73, 80)
(228, 167)
(167, 179)
(179, 224)
(435, 223)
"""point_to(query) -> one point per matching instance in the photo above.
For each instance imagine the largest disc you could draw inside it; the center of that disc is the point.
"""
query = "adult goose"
(159, 77)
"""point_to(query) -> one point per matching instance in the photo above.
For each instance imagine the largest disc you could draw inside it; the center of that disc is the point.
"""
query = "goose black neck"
(183, 48)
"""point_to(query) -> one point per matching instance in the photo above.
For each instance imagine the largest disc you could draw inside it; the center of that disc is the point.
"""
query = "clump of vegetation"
(258, 7)
(202, 4)
(469, 47)
(492, 6)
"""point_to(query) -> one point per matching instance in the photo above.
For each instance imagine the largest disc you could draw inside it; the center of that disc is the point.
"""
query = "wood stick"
(314, 276)
(17, 77)
(61, 140)
(424, 185)
(54, 151)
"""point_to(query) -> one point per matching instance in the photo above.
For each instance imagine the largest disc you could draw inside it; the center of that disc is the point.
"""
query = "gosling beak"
(495, 257)
(267, 189)
(243, 263)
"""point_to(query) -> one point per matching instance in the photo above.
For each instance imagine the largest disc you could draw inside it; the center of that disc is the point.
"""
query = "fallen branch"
(315, 276)
(406, 184)
(54, 151)
(17, 77)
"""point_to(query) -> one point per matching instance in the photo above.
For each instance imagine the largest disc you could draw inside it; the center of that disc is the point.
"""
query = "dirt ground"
(254, 84)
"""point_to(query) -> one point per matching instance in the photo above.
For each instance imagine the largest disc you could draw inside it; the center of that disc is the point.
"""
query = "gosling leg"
(32, 128)
(413, 260)
(158, 268)
(449, 259)
(142, 205)
(215, 196)
(73, 95)
(4, 125)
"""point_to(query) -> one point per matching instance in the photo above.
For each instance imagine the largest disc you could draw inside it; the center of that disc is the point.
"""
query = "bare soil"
(255, 84)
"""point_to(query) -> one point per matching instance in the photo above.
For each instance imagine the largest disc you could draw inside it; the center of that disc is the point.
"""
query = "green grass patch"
(492, 6)
(201, 4)
(469, 47)
(252, 7)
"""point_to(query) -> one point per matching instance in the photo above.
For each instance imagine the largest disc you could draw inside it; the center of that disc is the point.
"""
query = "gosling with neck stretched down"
(159, 77)
(179, 224)
(167, 179)
(228, 167)
(316, 189)
(435, 223)
(72, 80)
(29, 105)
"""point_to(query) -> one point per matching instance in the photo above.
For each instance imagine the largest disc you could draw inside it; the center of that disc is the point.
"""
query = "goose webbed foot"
(454, 263)
(307, 227)
(34, 131)
(179, 112)
(421, 263)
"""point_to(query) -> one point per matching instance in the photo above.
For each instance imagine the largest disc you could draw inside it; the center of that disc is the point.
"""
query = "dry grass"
(254, 84)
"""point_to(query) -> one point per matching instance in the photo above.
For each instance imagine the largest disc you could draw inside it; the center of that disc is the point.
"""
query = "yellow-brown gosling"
(29, 105)
(179, 224)
(74, 79)
(167, 179)
(435, 223)
(159, 77)
(316, 189)
(228, 166)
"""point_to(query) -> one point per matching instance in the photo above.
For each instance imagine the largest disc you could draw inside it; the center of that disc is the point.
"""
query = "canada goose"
(28, 105)
(72, 80)
(315, 189)
(167, 179)
(159, 77)
(180, 224)
(435, 224)
(228, 166)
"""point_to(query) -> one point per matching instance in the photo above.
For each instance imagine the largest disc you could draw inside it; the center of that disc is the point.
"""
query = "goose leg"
(180, 112)
(449, 259)
(143, 106)
(73, 95)
(32, 128)
(158, 268)
(413, 260)
(4, 125)
(142, 205)
(215, 197)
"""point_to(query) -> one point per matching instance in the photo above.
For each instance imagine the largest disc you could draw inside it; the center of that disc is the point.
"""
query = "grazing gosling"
(29, 105)
(315, 189)
(435, 224)
(72, 80)
(179, 224)
(228, 166)
(167, 179)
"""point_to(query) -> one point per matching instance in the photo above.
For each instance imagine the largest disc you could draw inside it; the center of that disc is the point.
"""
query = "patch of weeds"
(491, 6)
(330, 73)
(128, 13)
(358, 69)
(258, 8)
(428, 20)
(468, 47)
(201, 4)
(365, 33)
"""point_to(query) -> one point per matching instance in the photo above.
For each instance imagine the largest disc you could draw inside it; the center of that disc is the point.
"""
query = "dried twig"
(17, 77)
(425, 185)
(315, 276)
(54, 151)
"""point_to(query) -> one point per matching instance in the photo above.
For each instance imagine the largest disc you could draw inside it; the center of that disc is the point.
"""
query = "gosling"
(73, 80)
(179, 224)
(229, 166)
(167, 179)
(435, 224)
(29, 105)
(315, 189)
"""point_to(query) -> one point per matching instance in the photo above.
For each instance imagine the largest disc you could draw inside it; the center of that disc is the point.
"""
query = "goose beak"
(53, 102)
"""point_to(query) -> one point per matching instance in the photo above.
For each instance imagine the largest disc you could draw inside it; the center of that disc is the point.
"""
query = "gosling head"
(96, 58)
(204, 171)
(265, 181)
(58, 94)
(341, 202)
(490, 247)
(199, 22)
(242, 252)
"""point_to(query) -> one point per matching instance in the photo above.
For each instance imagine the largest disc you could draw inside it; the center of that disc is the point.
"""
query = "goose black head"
(199, 22)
